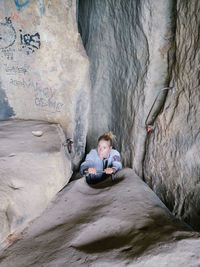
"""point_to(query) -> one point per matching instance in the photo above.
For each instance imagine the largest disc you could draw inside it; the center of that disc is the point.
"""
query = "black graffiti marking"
(7, 35)
(30, 42)
(10, 70)
(8, 53)
(17, 83)
(8, 20)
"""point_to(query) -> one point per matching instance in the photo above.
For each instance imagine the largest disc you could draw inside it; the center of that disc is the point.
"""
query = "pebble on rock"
(37, 133)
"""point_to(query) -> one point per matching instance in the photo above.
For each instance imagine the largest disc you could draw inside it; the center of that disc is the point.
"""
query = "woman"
(102, 161)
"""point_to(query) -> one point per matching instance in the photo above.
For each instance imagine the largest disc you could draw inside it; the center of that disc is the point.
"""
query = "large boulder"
(114, 223)
(34, 166)
(44, 68)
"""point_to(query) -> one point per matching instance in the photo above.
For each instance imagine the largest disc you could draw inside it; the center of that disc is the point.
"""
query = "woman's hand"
(109, 170)
(92, 171)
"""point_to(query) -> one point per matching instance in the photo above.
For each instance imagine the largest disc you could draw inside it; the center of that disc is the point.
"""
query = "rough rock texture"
(44, 69)
(136, 48)
(32, 170)
(119, 223)
(128, 45)
(172, 163)
(144, 62)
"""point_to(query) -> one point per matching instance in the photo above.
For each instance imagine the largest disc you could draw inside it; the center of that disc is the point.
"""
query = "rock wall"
(128, 46)
(44, 69)
(144, 70)
(142, 52)
(33, 169)
(172, 163)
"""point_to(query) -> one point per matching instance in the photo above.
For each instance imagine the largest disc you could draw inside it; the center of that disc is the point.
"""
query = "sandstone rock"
(120, 223)
(128, 44)
(32, 171)
(172, 162)
(142, 52)
(136, 48)
(44, 69)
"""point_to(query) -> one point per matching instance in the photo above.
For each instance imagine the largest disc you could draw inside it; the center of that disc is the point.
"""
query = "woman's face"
(103, 148)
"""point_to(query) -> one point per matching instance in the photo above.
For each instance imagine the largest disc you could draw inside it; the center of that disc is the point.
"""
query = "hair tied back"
(108, 136)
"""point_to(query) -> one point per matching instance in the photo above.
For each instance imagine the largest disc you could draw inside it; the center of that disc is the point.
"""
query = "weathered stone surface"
(44, 69)
(128, 45)
(172, 163)
(119, 223)
(32, 170)
(136, 49)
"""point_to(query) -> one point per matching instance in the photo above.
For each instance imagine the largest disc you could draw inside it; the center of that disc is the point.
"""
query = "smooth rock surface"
(120, 223)
(44, 68)
(32, 170)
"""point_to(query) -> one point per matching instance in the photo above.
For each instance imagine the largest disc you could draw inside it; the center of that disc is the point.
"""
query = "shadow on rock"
(115, 222)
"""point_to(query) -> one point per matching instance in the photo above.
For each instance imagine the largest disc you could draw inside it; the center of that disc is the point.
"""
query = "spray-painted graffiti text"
(45, 97)
(20, 3)
(30, 42)
(7, 35)
(13, 70)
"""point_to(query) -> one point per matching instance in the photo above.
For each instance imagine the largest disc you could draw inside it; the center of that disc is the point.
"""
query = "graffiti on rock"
(21, 3)
(18, 83)
(45, 97)
(8, 20)
(30, 42)
(13, 70)
(8, 53)
(42, 102)
(41, 6)
(7, 34)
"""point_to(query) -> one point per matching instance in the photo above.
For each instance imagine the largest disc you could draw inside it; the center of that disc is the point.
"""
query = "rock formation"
(172, 162)
(120, 223)
(144, 86)
(32, 170)
(44, 69)
(145, 73)
(128, 44)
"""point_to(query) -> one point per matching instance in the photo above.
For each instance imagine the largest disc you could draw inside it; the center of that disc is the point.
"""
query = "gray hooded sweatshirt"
(94, 161)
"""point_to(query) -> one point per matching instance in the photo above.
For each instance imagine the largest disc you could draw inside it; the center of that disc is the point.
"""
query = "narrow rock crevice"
(127, 69)
(141, 57)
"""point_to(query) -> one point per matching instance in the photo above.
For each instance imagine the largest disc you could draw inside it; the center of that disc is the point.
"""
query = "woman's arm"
(88, 163)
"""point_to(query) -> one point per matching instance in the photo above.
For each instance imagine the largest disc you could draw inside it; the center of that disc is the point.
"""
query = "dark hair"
(109, 136)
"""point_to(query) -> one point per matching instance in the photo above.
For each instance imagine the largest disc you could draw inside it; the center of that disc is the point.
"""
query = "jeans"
(95, 179)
